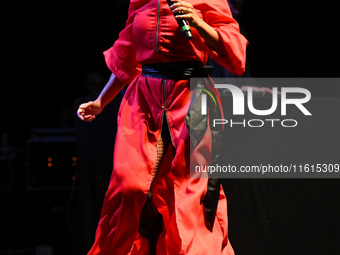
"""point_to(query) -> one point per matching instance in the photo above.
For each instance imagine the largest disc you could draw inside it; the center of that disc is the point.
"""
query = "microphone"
(183, 24)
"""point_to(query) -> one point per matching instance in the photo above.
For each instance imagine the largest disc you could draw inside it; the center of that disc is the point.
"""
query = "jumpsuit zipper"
(162, 121)
(157, 27)
(157, 51)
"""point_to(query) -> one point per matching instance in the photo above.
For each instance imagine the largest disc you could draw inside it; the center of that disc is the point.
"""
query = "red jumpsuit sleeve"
(218, 15)
(121, 57)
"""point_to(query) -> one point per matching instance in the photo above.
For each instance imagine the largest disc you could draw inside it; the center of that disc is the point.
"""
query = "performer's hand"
(211, 37)
(88, 111)
(188, 12)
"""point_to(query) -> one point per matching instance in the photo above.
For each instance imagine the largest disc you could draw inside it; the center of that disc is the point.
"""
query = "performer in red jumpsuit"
(153, 108)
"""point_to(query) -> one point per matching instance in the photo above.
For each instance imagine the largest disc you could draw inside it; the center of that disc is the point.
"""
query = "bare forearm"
(88, 111)
(210, 36)
(110, 91)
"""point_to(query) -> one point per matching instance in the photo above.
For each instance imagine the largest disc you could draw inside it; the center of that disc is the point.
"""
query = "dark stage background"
(52, 60)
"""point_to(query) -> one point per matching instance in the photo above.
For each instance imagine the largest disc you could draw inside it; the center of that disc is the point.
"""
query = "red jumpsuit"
(152, 35)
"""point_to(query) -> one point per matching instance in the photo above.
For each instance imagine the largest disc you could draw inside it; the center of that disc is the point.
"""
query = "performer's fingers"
(188, 8)
(184, 16)
(89, 118)
(80, 113)
(181, 4)
(182, 9)
(84, 105)
(80, 117)
(84, 112)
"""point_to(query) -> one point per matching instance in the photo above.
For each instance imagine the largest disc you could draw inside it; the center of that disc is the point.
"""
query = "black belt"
(174, 70)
